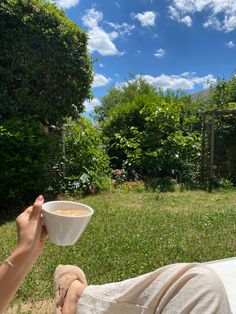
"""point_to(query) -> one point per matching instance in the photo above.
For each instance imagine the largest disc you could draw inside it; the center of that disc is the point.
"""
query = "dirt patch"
(40, 307)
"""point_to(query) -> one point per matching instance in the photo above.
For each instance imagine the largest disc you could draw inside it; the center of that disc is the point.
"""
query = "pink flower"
(113, 181)
(117, 172)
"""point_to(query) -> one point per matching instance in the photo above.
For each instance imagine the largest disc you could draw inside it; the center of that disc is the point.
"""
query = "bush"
(45, 71)
(24, 160)
(86, 163)
(153, 134)
(179, 157)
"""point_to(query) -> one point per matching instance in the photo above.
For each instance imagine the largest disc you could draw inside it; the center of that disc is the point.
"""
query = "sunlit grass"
(132, 233)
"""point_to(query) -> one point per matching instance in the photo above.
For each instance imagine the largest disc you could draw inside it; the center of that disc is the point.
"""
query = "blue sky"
(172, 43)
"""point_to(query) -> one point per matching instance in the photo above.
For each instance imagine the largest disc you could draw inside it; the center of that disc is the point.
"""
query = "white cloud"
(221, 14)
(187, 73)
(122, 53)
(176, 15)
(65, 4)
(160, 53)
(90, 105)
(146, 18)
(187, 20)
(213, 22)
(100, 80)
(117, 4)
(185, 81)
(230, 44)
(123, 29)
(92, 18)
(230, 23)
(101, 42)
(99, 39)
(101, 65)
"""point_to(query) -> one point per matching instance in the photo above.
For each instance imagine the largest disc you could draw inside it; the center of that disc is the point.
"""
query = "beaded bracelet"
(9, 263)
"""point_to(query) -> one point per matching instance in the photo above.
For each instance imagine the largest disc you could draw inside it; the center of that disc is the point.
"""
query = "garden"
(137, 161)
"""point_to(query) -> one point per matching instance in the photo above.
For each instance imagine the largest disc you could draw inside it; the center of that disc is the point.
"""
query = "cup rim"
(90, 213)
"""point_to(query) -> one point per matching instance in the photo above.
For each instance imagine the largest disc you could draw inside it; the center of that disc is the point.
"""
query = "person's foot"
(64, 277)
(72, 297)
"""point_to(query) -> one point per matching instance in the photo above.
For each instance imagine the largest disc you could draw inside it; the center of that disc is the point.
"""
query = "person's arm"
(31, 236)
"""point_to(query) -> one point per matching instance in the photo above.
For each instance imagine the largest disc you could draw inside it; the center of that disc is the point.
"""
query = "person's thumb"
(37, 207)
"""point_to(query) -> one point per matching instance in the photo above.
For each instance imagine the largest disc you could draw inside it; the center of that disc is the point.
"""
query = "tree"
(223, 94)
(152, 132)
(45, 71)
(118, 95)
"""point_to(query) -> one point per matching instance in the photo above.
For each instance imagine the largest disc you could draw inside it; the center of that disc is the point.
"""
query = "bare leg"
(72, 297)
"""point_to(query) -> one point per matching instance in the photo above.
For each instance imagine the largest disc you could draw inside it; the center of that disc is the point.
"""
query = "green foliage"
(86, 163)
(223, 97)
(179, 156)
(45, 71)
(122, 94)
(45, 76)
(223, 94)
(131, 147)
(24, 160)
(152, 133)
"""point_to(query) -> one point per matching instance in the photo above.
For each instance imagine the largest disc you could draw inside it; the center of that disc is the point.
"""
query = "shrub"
(152, 134)
(45, 71)
(86, 163)
(24, 160)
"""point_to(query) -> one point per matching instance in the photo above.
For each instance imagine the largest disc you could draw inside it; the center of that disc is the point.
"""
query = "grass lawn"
(132, 233)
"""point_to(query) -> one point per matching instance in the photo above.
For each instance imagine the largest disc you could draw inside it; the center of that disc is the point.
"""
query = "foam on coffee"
(71, 212)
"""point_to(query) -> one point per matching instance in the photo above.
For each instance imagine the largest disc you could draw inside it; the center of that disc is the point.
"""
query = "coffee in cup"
(71, 212)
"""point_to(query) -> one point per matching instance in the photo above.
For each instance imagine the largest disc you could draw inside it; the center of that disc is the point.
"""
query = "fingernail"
(40, 198)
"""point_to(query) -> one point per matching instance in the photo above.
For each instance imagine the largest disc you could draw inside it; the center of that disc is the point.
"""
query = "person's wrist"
(18, 262)
(24, 254)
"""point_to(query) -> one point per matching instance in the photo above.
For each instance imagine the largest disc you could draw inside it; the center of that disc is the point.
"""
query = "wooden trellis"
(214, 114)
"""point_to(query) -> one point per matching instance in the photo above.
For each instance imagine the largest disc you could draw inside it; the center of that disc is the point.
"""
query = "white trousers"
(173, 289)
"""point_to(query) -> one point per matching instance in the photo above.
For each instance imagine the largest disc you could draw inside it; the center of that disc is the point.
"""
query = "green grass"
(132, 233)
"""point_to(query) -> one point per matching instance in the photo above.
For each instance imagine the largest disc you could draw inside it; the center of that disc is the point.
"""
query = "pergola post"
(203, 146)
(63, 133)
(212, 149)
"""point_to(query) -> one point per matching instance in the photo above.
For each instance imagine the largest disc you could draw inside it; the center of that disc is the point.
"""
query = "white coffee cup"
(65, 230)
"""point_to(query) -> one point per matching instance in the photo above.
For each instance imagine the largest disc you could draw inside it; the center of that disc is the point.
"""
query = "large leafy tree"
(45, 71)
(122, 94)
(151, 132)
(45, 76)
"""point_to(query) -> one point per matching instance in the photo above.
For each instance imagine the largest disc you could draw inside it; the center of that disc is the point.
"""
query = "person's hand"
(31, 233)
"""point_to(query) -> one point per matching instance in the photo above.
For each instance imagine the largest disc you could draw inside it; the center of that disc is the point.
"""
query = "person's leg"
(178, 288)
(173, 289)
(196, 291)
